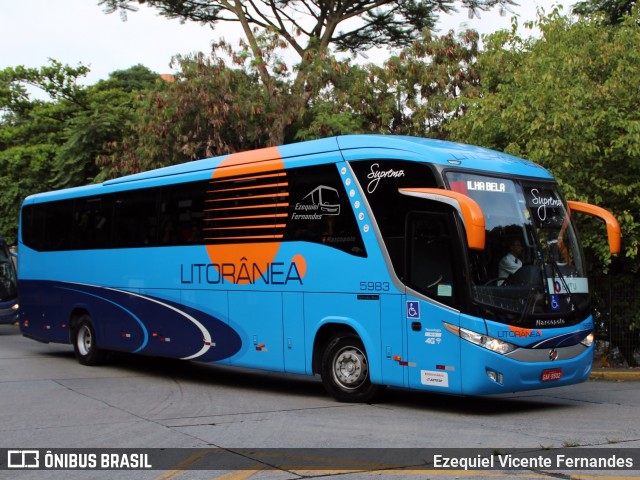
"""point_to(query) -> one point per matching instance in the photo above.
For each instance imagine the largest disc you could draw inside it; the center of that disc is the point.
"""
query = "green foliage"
(569, 101)
(25, 169)
(85, 134)
(412, 93)
(52, 144)
(210, 109)
(56, 80)
(30, 132)
(223, 103)
(611, 11)
(133, 79)
(110, 109)
(311, 29)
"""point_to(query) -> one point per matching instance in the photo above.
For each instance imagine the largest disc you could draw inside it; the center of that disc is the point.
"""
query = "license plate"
(551, 374)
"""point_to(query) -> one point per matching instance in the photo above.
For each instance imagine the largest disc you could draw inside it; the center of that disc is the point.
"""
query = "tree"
(412, 93)
(314, 25)
(613, 11)
(311, 29)
(213, 108)
(30, 133)
(110, 107)
(134, 79)
(210, 109)
(247, 98)
(51, 144)
(569, 101)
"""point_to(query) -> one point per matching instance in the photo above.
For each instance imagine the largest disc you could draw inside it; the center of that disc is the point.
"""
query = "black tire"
(345, 370)
(83, 337)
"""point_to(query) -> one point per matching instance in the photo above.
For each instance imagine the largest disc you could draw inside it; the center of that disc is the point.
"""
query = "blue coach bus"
(392, 278)
(8, 286)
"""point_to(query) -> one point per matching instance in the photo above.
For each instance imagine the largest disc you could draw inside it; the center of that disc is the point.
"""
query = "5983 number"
(374, 286)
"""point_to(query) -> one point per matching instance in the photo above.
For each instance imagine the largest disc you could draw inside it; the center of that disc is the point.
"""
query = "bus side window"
(135, 218)
(92, 223)
(320, 211)
(182, 213)
(381, 180)
(57, 225)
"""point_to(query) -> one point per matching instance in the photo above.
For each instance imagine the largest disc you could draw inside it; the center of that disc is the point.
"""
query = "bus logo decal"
(320, 201)
(243, 272)
(542, 200)
(207, 340)
(376, 175)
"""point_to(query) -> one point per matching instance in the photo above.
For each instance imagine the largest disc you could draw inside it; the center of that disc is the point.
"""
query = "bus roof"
(446, 153)
(352, 147)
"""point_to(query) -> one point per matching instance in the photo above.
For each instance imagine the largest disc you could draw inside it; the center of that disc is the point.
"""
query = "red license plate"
(551, 374)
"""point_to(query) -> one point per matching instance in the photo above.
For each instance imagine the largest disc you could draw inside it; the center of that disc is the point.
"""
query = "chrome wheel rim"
(350, 368)
(85, 340)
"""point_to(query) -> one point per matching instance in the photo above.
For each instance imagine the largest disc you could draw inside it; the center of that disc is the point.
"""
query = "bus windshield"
(8, 281)
(532, 270)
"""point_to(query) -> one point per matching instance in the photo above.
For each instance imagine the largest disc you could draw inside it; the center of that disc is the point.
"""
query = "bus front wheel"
(345, 370)
(84, 342)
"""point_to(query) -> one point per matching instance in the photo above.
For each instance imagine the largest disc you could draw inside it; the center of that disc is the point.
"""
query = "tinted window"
(92, 223)
(307, 204)
(135, 218)
(380, 181)
(171, 215)
(48, 226)
(181, 213)
(247, 208)
(320, 211)
(430, 255)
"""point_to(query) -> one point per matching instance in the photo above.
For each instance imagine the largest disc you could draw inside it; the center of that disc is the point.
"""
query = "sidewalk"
(615, 374)
(604, 372)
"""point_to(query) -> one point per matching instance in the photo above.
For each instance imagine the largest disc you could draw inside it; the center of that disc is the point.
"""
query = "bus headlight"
(490, 343)
(588, 340)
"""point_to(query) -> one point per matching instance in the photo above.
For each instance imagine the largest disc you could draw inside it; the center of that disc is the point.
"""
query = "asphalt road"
(48, 400)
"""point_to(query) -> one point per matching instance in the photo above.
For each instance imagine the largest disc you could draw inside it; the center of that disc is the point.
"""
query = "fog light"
(495, 376)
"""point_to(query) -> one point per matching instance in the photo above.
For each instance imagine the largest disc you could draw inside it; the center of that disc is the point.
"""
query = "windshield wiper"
(531, 296)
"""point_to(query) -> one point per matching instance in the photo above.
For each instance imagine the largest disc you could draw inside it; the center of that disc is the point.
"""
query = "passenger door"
(433, 279)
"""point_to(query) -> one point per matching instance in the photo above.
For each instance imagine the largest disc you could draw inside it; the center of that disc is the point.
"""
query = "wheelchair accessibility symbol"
(555, 301)
(413, 309)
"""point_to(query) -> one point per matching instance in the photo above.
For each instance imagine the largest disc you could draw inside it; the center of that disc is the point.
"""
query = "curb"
(616, 375)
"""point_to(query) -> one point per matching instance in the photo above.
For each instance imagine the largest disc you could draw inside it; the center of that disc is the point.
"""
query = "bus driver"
(512, 261)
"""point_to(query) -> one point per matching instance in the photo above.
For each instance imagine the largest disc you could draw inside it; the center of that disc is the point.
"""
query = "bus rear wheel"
(345, 370)
(84, 342)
